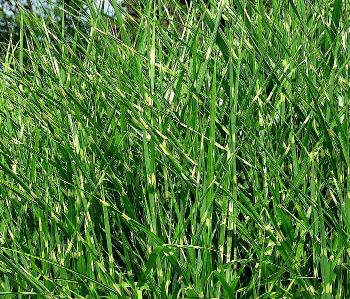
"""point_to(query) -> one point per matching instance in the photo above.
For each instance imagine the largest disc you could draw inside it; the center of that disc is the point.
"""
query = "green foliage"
(190, 151)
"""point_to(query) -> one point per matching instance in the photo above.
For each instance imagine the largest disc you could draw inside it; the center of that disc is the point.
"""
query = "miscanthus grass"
(193, 152)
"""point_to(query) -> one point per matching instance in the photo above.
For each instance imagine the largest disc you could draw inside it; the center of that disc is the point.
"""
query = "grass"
(198, 159)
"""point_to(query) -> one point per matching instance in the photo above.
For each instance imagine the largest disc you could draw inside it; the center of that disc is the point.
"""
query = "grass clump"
(191, 151)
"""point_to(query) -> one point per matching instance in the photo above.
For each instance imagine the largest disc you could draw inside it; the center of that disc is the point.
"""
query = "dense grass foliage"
(188, 151)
